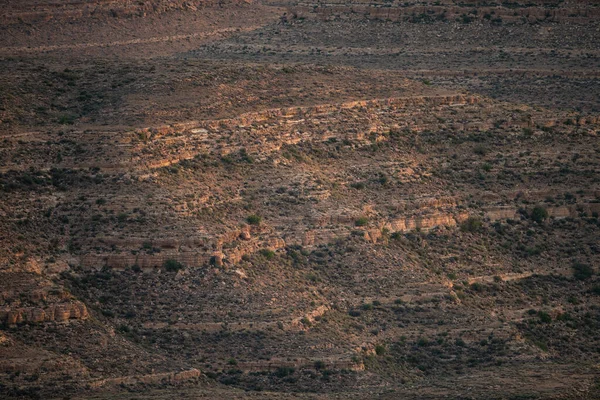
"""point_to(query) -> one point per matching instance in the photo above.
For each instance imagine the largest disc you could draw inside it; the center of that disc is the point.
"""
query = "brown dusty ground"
(369, 201)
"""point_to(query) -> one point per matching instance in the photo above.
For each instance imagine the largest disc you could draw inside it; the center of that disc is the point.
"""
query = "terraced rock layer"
(367, 201)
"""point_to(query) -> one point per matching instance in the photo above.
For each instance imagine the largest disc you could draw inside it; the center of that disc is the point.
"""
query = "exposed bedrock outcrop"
(74, 310)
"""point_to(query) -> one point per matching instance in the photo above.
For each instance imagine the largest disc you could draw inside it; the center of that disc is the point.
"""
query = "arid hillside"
(275, 199)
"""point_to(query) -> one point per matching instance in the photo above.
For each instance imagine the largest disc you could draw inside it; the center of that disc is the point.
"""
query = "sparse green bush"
(582, 271)
(282, 372)
(173, 265)
(380, 349)
(268, 254)
(354, 313)
(539, 214)
(472, 224)
(544, 317)
(362, 221)
(480, 150)
(254, 219)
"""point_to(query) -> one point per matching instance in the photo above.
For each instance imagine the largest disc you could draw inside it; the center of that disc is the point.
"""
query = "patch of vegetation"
(268, 254)
(254, 219)
(362, 221)
(173, 265)
(582, 271)
(472, 224)
(539, 214)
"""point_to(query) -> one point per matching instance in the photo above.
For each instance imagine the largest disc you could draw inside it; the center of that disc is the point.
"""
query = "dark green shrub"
(362, 221)
(539, 214)
(472, 224)
(268, 254)
(282, 372)
(254, 219)
(354, 313)
(544, 317)
(173, 265)
(582, 271)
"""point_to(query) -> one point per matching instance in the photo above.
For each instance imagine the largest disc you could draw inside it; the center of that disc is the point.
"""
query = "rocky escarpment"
(31, 298)
(54, 313)
(31, 11)
(466, 12)
(165, 377)
(152, 155)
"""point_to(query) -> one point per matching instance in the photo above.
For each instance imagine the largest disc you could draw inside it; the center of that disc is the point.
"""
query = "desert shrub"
(319, 365)
(466, 19)
(480, 150)
(544, 317)
(66, 119)
(268, 254)
(582, 271)
(254, 219)
(472, 224)
(173, 265)
(396, 235)
(380, 349)
(476, 287)
(282, 372)
(539, 214)
(362, 221)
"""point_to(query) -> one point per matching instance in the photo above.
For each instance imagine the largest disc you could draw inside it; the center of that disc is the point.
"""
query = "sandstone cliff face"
(74, 310)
